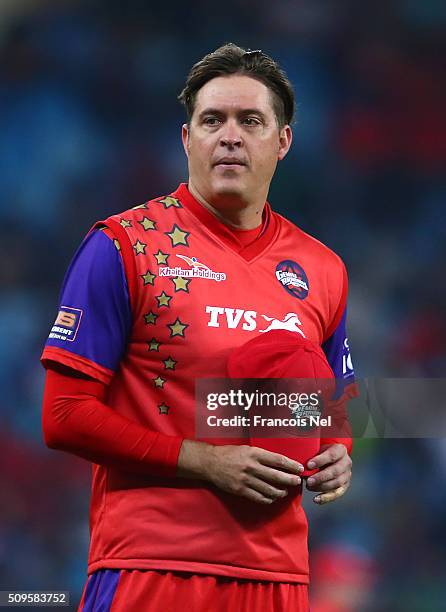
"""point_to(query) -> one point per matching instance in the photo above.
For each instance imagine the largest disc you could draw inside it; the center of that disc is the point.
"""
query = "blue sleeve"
(337, 351)
(94, 319)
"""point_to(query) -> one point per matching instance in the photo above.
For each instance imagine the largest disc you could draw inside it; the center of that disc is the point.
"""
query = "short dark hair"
(232, 59)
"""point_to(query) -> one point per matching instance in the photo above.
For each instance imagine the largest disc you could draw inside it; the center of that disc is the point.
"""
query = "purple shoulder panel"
(94, 318)
(337, 351)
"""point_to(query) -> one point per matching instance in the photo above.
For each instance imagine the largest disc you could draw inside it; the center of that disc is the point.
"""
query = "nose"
(231, 136)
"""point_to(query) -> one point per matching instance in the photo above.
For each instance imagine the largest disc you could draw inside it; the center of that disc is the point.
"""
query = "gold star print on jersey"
(177, 328)
(148, 278)
(154, 345)
(150, 318)
(125, 223)
(169, 201)
(161, 258)
(169, 363)
(117, 245)
(163, 299)
(163, 409)
(159, 382)
(140, 247)
(178, 236)
(140, 206)
(181, 284)
(147, 224)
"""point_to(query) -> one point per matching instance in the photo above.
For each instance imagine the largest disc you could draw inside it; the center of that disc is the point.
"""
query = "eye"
(251, 121)
(211, 121)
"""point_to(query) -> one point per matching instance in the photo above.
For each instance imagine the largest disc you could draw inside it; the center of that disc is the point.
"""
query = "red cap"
(279, 353)
(284, 354)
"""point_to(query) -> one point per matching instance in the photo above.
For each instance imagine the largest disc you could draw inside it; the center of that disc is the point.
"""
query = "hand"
(247, 471)
(334, 478)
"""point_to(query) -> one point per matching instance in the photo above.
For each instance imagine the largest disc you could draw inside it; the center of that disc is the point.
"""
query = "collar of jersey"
(223, 232)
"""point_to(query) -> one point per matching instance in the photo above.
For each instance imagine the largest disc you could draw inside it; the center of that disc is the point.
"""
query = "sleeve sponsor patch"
(67, 324)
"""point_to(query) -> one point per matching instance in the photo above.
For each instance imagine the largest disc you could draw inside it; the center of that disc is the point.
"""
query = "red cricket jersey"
(196, 293)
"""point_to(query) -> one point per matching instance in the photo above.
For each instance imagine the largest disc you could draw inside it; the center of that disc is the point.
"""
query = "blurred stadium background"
(90, 125)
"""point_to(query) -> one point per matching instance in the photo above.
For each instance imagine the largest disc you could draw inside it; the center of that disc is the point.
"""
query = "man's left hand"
(334, 475)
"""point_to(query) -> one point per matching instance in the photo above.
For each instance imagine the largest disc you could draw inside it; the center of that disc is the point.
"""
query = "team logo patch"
(67, 324)
(293, 279)
(196, 269)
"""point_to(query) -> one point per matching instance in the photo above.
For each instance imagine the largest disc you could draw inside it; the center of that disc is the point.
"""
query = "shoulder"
(96, 251)
(143, 221)
(138, 230)
(148, 213)
(95, 266)
(313, 247)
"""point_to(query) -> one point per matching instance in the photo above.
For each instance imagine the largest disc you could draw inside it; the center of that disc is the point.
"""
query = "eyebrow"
(242, 112)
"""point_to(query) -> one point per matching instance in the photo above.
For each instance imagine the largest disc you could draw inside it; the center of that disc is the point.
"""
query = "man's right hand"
(247, 471)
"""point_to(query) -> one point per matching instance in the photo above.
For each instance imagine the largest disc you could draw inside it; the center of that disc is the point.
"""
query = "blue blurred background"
(90, 125)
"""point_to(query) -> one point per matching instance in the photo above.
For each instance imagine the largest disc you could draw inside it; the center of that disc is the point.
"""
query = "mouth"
(229, 164)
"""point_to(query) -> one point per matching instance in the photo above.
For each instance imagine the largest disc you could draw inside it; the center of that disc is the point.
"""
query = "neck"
(233, 212)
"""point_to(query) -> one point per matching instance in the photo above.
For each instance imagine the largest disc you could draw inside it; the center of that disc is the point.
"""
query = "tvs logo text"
(249, 320)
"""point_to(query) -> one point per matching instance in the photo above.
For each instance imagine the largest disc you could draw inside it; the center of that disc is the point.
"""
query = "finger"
(333, 453)
(325, 498)
(266, 489)
(278, 461)
(256, 497)
(330, 485)
(330, 455)
(275, 477)
(329, 473)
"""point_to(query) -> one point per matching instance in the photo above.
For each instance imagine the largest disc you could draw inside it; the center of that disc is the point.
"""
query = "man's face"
(233, 142)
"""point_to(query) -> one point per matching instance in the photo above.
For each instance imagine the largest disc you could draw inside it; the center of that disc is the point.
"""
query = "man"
(160, 296)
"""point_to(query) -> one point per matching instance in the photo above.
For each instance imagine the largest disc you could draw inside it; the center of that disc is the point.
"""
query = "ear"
(185, 138)
(285, 140)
